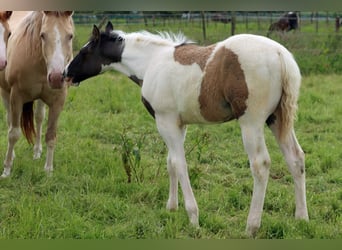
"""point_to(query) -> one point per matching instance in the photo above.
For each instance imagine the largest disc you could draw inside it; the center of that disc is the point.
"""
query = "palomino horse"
(4, 35)
(38, 51)
(246, 77)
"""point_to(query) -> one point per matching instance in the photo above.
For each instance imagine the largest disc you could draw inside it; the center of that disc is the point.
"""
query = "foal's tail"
(27, 122)
(291, 80)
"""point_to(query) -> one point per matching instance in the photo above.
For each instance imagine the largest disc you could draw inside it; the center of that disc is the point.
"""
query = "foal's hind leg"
(259, 160)
(295, 160)
(172, 203)
(39, 115)
(173, 134)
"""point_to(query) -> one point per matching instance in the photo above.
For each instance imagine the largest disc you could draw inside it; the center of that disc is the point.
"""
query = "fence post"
(233, 20)
(337, 24)
(203, 26)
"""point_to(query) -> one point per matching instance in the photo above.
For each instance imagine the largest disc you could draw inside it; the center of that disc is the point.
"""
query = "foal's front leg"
(173, 135)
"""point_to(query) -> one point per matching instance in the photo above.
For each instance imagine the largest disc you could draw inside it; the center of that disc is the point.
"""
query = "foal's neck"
(139, 54)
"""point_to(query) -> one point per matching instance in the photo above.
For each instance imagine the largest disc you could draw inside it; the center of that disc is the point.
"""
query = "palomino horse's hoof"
(5, 174)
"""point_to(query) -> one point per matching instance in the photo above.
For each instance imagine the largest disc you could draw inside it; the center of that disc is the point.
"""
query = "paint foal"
(246, 77)
(4, 35)
(38, 51)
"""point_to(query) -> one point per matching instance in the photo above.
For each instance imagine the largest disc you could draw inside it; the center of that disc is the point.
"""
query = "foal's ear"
(5, 15)
(96, 33)
(8, 14)
(109, 27)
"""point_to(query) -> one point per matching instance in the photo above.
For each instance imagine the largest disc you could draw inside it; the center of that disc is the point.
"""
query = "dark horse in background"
(287, 22)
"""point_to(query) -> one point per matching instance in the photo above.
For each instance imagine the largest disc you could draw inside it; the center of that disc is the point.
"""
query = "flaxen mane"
(28, 33)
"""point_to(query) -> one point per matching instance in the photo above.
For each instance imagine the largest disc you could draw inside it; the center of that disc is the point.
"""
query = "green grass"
(89, 197)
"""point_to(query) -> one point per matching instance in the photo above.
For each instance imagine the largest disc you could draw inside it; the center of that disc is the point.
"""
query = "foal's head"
(103, 48)
(4, 35)
(56, 35)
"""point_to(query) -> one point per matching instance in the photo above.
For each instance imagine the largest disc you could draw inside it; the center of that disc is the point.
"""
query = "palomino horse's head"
(102, 49)
(4, 35)
(56, 35)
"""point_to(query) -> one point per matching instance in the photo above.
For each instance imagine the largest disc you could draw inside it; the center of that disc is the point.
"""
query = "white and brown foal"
(248, 78)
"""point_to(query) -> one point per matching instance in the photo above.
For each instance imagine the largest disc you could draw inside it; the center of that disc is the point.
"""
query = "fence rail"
(320, 22)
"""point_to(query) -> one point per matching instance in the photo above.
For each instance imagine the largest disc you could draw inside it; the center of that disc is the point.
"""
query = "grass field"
(103, 122)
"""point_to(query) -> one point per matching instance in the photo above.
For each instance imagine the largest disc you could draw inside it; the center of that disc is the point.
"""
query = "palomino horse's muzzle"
(56, 80)
(3, 64)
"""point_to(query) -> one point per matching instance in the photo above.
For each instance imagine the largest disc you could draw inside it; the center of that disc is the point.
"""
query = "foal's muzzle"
(69, 80)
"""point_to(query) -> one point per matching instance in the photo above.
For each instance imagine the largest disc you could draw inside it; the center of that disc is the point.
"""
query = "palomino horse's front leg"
(14, 132)
(173, 135)
(50, 137)
(259, 160)
(39, 115)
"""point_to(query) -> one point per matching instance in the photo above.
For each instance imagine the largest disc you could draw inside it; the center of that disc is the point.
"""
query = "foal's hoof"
(172, 205)
(194, 221)
(252, 231)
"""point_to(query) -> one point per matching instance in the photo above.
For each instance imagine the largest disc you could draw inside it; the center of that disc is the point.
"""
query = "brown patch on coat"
(188, 54)
(224, 90)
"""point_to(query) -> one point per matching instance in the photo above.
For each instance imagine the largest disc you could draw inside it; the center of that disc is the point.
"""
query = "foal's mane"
(161, 38)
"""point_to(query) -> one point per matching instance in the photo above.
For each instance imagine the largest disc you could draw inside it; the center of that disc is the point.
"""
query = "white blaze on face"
(57, 59)
(2, 46)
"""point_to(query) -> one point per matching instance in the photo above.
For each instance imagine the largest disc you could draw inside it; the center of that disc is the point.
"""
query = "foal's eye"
(70, 37)
(9, 34)
(42, 36)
